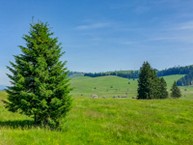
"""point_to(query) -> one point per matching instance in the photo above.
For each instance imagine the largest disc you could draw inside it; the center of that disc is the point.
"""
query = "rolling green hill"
(109, 86)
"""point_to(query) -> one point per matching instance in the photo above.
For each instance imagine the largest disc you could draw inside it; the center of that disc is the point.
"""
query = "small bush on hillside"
(175, 91)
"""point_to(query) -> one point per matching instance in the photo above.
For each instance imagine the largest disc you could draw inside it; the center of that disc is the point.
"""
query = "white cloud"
(180, 32)
(97, 25)
(185, 26)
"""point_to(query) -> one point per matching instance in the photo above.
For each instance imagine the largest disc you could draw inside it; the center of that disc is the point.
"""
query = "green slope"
(107, 86)
(110, 86)
(171, 78)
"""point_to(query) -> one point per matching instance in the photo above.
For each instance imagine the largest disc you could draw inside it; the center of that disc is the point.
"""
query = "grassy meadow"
(109, 86)
(108, 121)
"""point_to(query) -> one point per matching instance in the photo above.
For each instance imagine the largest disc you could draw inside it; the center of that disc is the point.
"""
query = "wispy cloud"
(172, 32)
(97, 25)
(185, 26)
(172, 36)
(184, 39)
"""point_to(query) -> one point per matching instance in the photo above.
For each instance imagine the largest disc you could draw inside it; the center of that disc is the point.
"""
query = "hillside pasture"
(111, 86)
(107, 86)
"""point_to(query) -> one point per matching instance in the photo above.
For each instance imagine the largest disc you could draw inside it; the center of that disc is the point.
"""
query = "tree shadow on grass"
(23, 124)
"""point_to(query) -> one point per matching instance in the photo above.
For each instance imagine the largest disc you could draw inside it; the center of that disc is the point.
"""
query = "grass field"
(110, 86)
(103, 86)
(107, 121)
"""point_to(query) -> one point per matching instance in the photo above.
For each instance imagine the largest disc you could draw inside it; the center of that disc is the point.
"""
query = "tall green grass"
(107, 122)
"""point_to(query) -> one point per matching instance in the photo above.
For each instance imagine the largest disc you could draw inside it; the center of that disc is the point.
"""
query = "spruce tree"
(149, 85)
(40, 85)
(175, 91)
(162, 89)
(146, 82)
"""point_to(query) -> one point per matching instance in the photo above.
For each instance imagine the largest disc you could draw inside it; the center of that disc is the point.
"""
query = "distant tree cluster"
(123, 74)
(72, 74)
(176, 70)
(149, 85)
(187, 71)
(187, 80)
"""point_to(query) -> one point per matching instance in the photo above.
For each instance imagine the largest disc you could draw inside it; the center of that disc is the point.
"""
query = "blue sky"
(102, 35)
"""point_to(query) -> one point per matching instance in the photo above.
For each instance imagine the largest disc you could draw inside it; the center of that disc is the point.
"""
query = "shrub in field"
(176, 93)
(40, 86)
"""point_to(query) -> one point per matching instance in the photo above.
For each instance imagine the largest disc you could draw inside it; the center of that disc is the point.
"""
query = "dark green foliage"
(124, 74)
(40, 87)
(146, 87)
(162, 85)
(186, 70)
(175, 91)
(149, 85)
(176, 70)
(186, 80)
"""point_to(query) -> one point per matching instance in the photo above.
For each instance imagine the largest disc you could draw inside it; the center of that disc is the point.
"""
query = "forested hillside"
(134, 74)
(130, 74)
(176, 70)
(186, 80)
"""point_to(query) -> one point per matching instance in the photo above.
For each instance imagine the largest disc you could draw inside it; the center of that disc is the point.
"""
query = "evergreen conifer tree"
(162, 89)
(146, 82)
(175, 91)
(40, 86)
(149, 85)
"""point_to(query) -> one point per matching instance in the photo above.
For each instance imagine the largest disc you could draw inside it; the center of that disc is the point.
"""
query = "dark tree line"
(184, 81)
(123, 74)
(187, 71)
(176, 70)
(72, 74)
